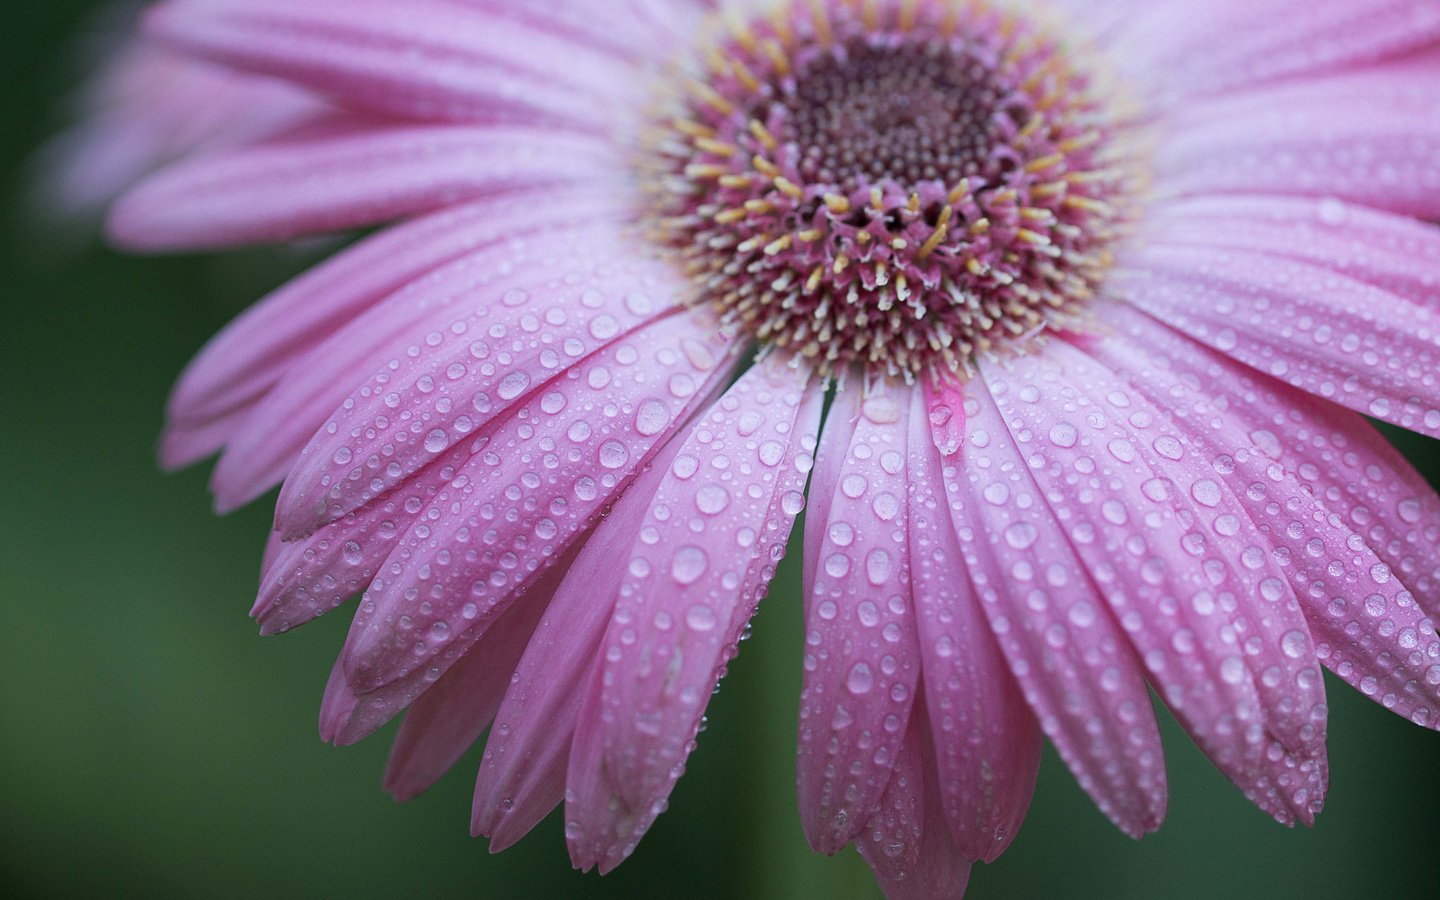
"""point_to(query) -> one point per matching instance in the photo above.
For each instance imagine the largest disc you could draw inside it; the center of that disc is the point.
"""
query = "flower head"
(1096, 291)
(898, 186)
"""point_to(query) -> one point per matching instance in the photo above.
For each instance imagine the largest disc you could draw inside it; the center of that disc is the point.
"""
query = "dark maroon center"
(914, 113)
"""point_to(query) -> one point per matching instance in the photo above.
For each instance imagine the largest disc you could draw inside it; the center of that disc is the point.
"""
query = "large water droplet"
(689, 564)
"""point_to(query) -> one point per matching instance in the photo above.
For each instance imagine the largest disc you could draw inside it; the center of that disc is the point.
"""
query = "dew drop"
(688, 564)
(860, 680)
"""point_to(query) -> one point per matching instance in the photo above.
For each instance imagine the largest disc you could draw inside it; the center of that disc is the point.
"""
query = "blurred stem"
(781, 864)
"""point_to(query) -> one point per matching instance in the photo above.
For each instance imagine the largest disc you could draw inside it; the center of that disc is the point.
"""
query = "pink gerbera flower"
(1099, 290)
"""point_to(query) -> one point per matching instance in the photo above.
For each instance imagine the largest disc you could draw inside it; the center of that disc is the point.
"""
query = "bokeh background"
(151, 743)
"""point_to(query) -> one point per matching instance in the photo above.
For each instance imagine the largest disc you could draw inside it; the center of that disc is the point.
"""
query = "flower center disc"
(897, 184)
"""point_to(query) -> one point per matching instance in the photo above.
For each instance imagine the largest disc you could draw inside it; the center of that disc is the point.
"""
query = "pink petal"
(1075, 666)
(450, 717)
(1178, 575)
(716, 527)
(861, 656)
(453, 709)
(354, 174)
(1367, 137)
(510, 506)
(437, 61)
(236, 370)
(1369, 629)
(571, 294)
(149, 106)
(436, 340)
(1325, 333)
(1395, 253)
(891, 837)
(522, 774)
(987, 744)
(569, 414)
(1184, 50)
(635, 30)
(906, 841)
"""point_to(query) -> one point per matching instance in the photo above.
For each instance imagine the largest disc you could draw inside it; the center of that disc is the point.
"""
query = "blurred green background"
(153, 744)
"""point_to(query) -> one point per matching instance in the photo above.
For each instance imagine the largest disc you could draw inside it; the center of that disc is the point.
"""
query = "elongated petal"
(634, 30)
(1395, 253)
(1075, 665)
(522, 774)
(452, 710)
(907, 841)
(1383, 643)
(355, 174)
(437, 61)
(1173, 572)
(1368, 137)
(585, 413)
(512, 506)
(236, 370)
(861, 655)
(148, 107)
(579, 292)
(354, 708)
(1211, 47)
(450, 717)
(716, 528)
(1325, 333)
(463, 312)
(987, 742)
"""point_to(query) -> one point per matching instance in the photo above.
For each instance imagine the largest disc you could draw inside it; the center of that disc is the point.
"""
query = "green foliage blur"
(152, 744)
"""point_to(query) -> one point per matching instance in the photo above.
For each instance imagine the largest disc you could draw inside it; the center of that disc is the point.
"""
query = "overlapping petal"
(907, 841)
(1383, 643)
(1326, 333)
(439, 61)
(1177, 52)
(238, 371)
(862, 665)
(1174, 571)
(987, 742)
(499, 423)
(522, 774)
(715, 529)
(466, 346)
(1073, 661)
(1368, 137)
(351, 173)
(511, 505)
(452, 714)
